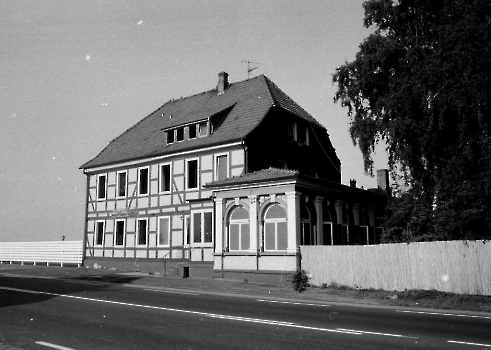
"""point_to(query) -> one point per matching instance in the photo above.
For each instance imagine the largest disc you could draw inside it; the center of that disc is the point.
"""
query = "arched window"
(238, 230)
(307, 233)
(327, 225)
(275, 228)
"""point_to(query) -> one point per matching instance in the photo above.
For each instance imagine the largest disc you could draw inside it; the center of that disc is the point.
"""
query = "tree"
(421, 82)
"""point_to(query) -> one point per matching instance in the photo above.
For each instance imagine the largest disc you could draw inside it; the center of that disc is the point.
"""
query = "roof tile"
(247, 103)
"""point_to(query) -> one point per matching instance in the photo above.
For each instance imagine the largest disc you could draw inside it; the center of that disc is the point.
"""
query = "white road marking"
(292, 303)
(171, 291)
(376, 333)
(21, 290)
(54, 346)
(443, 314)
(466, 343)
(227, 317)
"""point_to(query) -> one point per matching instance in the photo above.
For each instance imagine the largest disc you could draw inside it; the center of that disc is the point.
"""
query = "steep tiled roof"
(257, 176)
(247, 102)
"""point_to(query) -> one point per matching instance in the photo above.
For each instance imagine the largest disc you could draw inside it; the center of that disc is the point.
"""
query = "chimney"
(222, 82)
(383, 179)
(352, 183)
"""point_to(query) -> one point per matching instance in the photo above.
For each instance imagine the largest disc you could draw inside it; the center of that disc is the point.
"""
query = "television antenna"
(249, 69)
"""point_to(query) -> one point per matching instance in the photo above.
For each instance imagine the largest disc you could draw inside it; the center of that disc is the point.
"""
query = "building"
(229, 183)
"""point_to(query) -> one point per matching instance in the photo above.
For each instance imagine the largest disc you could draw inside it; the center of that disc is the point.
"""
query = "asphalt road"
(38, 313)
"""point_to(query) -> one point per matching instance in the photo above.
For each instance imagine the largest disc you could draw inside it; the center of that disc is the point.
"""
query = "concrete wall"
(462, 267)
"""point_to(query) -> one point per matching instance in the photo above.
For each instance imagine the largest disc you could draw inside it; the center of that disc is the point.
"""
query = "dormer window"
(170, 136)
(299, 133)
(180, 134)
(203, 129)
(192, 132)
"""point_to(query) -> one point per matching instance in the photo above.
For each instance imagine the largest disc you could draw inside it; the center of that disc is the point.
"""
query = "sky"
(74, 75)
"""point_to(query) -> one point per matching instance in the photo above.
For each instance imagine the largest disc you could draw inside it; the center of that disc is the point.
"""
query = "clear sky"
(76, 74)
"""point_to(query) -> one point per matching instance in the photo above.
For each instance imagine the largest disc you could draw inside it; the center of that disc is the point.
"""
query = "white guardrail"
(46, 253)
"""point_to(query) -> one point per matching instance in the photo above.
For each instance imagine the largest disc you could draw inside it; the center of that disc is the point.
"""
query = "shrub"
(300, 280)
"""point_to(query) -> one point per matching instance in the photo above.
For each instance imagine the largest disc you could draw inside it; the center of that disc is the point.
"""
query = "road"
(47, 313)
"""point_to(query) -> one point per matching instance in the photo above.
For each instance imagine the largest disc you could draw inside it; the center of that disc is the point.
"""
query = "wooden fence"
(62, 252)
(462, 267)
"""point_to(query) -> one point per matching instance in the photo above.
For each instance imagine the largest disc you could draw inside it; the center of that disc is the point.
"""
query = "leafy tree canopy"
(422, 83)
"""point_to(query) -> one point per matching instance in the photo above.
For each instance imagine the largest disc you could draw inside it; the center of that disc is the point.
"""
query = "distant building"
(229, 182)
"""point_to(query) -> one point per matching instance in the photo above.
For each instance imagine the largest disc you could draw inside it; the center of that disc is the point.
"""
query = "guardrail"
(64, 252)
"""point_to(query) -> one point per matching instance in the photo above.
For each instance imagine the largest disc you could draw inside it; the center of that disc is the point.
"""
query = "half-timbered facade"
(204, 181)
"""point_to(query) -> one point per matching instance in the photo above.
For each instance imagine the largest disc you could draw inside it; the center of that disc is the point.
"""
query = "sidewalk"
(201, 285)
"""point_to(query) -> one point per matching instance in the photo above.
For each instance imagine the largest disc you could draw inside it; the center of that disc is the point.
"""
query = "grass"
(431, 299)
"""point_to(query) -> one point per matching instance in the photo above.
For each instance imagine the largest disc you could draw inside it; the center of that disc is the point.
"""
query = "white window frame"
(198, 131)
(97, 233)
(116, 232)
(216, 165)
(125, 184)
(169, 227)
(177, 131)
(105, 187)
(138, 232)
(195, 127)
(274, 221)
(186, 177)
(295, 131)
(191, 236)
(173, 131)
(170, 177)
(307, 136)
(148, 181)
(239, 222)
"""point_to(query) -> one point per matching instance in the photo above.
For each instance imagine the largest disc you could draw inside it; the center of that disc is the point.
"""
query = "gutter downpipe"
(246, 157)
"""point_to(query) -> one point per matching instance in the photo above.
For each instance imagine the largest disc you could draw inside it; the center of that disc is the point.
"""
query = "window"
(192, 131)
(221, 167)
(99, 233)
(121, 184)
(202, 227)
(238, 230)
(142, 232)
(295, 131)
(203, 129)
(170, 136)
(119, 236)
(165, 178)
(101, 187)
(275, 228)
(307, 236)
(301, 134)
(143, 181)
(164, 232)
(180, 134)
(192, 174)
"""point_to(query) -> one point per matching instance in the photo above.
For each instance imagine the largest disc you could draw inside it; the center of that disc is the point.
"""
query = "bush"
(300, 280)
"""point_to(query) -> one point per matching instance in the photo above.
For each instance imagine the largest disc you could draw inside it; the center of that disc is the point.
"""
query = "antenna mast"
(249, 69)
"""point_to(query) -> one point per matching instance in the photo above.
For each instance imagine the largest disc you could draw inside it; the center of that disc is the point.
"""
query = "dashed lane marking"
(292, 303)
(466, 343)
(443, 314)
(227, 317)
(171, 291)
(54, 346)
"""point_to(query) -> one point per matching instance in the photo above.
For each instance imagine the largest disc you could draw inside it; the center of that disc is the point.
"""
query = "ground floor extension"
(250, 228)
